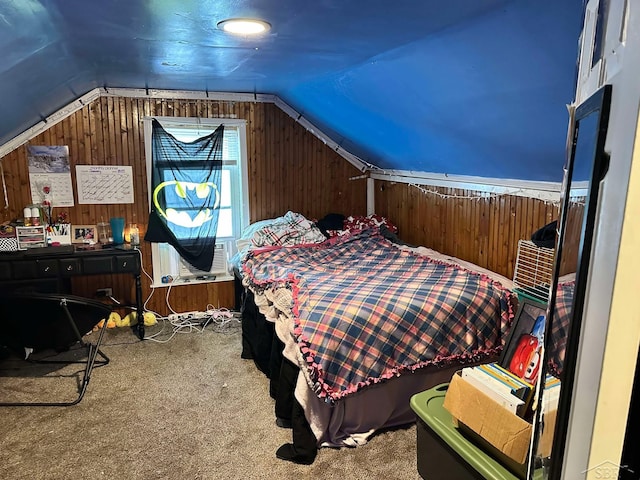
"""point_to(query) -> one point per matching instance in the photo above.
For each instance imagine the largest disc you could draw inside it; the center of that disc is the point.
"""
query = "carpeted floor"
(189, 408)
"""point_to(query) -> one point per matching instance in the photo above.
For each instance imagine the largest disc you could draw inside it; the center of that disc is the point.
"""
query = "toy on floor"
(115, 320)
(112, 322)
(130, 319)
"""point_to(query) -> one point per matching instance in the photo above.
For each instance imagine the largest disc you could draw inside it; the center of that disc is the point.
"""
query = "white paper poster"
(50, 175)
(104, 184)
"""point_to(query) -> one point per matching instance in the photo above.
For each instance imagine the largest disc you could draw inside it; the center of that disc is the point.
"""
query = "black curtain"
(185, 194)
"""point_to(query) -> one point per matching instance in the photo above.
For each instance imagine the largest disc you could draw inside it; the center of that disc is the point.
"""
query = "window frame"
(240, 218)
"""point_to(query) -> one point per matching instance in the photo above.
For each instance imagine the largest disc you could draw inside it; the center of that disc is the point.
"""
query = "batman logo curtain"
(185, 196)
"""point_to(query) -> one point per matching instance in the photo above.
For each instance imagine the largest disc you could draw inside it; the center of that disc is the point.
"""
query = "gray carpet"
(189, 408)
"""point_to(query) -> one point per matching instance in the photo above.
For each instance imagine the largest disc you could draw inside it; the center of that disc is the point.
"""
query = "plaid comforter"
(560, 327)
(365, 311)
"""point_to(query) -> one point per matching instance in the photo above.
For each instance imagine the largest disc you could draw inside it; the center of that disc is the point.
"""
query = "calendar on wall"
(104, 184)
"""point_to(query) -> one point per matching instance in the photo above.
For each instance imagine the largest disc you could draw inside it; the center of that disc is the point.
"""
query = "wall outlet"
(104, 292)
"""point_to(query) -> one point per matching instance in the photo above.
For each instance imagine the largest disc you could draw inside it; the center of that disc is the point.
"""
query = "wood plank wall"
(484, 231)
(289, 169)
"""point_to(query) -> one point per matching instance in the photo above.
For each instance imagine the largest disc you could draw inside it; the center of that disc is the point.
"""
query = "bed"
(366, 322)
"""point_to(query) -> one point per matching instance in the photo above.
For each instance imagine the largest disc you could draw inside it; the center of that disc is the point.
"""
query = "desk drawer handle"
(69, 268)
(46, 269)
(124, 264)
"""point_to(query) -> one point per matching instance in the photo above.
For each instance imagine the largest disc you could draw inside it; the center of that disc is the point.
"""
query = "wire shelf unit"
(534, 270)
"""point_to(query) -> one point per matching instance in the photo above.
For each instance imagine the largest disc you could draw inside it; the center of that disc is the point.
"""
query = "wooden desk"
(49, 269)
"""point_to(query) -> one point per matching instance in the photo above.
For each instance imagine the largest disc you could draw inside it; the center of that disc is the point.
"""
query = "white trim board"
(92, 95)
(48, 122)
(352, 159)
(546, 191)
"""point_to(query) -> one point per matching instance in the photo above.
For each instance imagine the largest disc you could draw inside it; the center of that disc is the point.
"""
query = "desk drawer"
(25, 269)
(5, 271)
(127, 264)
(47, 268)
(70, 267)
(97, 265)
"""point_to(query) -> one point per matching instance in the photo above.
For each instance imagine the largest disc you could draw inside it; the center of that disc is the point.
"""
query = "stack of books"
(502, 386)
(551, 394)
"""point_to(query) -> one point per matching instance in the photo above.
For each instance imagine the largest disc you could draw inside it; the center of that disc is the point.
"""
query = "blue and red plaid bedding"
(560, 327)
(365, 310)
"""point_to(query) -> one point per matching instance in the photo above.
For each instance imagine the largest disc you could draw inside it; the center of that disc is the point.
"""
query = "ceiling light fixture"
(244, 26)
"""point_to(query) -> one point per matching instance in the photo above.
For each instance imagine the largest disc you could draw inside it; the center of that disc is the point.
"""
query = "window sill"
(194, 281)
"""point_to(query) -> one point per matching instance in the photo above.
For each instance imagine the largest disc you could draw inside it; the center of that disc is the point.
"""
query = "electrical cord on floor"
(144, 306)
(220, 317)
(177, 326)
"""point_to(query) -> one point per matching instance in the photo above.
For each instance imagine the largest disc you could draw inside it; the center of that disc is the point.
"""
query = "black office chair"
(42, 322)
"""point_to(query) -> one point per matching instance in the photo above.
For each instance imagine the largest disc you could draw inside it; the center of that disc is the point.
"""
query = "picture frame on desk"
(521, 353)
(84, 234)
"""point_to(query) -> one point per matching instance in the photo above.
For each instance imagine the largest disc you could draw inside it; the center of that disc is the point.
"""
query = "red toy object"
(525, 361)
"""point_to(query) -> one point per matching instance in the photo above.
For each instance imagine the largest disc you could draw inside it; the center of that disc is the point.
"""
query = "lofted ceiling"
(457, 87)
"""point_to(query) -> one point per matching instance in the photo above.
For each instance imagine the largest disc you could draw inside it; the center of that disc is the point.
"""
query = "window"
(234, 202)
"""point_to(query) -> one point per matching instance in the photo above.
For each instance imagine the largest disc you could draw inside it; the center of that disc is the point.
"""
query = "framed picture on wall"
(84, 234)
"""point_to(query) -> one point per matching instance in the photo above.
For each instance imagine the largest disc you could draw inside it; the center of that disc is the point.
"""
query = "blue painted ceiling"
(466, 87)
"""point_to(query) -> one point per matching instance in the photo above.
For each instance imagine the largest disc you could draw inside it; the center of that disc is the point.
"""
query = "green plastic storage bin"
(443, 453)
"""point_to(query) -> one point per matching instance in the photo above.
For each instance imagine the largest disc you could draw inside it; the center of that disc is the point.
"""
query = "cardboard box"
(501, 433)
(546, 437)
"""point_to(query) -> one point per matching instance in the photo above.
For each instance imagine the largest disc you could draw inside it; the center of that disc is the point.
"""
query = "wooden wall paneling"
(435, 212)
(307, 158)
(296, 149)
(289, 168)
(287, 164)
(483, 231)
(440, 205)
(13, 178)
(124, 210)
(506, 233)
(303, 152)
(476, 214)
(409, 207)
(138, 162)
(112, 116)
(281, 162)
(252, 136)
(261, 183)
(472, 229)
(427, 215)
(84, 137)
(255, 192)
(267, 170)
(69, 139)
(465, 223)
(519, 212)
(451, 219)
(450, 246)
